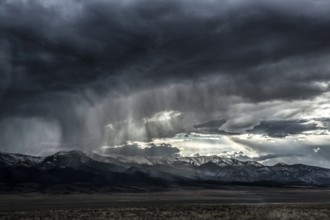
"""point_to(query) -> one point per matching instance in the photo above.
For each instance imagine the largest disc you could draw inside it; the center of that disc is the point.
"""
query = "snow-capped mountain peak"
(215, 168)
(9, 159)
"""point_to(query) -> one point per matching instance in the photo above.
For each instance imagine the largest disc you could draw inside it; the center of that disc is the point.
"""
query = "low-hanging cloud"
(152, 150)
(284, 128)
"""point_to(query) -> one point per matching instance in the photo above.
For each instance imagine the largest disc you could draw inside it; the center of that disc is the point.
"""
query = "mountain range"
(75, 170)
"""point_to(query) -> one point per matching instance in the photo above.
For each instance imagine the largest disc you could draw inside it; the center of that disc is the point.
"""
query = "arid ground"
(226, 203)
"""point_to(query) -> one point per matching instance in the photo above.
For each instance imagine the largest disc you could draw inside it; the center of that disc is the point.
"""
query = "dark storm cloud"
(271, 128)
(283, 128)
(69, 68)
(325, 122)
(134, 43)
(210, 124)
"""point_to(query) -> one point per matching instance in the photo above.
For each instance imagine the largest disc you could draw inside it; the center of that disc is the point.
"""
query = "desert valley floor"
(225, 203)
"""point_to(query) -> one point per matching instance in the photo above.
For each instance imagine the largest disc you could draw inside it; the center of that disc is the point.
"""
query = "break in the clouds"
(85, 74)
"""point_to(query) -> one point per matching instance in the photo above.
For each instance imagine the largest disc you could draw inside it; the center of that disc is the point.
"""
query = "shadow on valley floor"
(235, 202)
(183, 211)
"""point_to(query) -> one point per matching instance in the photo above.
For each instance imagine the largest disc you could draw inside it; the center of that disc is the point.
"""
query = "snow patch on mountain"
(16, 160)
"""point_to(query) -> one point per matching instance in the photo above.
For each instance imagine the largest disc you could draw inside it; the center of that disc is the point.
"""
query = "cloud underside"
(82, 74)
(265, 50)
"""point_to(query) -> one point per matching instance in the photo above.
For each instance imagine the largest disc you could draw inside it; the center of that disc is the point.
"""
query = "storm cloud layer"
(83, 74)
(48, 45)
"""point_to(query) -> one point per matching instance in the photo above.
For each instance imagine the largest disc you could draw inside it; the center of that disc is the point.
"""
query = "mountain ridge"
(95, 171)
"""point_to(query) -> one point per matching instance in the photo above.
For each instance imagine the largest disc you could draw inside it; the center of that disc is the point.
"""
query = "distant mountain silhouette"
(75, 168)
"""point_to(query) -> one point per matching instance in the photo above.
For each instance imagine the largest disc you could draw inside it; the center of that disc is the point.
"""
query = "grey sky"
(69, 70)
